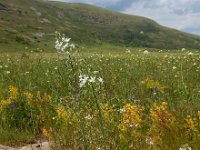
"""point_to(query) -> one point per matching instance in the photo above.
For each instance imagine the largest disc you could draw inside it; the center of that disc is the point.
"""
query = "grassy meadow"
(112, 98)
(104, 93)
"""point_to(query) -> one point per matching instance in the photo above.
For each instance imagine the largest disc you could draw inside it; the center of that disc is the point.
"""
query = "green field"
(149, 99)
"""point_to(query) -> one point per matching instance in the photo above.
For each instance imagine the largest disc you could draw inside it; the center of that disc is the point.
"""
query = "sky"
(179, 14)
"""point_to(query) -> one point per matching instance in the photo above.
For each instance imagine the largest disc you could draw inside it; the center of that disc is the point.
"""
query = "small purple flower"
(13, 106)
(132, 97)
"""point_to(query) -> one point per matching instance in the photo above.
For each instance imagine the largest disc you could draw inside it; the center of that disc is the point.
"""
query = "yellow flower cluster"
(29, 97)
(46, 133)
(154, 84)
(62, 113)
(191, 124)
(161, 116)
(106, 112)
(13, 95)
(13, 91)
(131, 117)
(4, 104)
(161, 119)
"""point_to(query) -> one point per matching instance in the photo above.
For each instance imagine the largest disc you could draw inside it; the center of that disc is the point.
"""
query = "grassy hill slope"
(32, 23)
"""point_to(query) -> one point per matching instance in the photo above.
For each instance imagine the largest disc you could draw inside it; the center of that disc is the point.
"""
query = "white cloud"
(177, 14)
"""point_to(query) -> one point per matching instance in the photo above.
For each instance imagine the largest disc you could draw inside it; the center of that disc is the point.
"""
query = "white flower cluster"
(149, 141)
(185, 147)
(83, 79)
(122, 110)
(63, 44)
(88, 117)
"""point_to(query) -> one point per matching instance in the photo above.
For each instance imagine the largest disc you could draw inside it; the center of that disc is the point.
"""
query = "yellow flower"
(161, 116)
(13, 91)
(131, 117)
(29, 97)
(4, 104)
(154, 84)
(162, 121)
(191, 124)
(106, 112)
(62, 113)
(46, 133)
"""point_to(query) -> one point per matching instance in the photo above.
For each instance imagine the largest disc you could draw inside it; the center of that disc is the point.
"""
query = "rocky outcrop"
(39, 146)
(2, 147)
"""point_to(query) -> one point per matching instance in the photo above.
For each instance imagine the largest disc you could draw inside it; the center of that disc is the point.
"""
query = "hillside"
(32, 23)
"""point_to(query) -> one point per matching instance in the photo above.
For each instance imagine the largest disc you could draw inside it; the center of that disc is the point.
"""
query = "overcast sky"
(180, 14)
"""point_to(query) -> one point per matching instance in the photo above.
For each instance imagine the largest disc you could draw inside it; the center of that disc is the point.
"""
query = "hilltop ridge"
(33, 23)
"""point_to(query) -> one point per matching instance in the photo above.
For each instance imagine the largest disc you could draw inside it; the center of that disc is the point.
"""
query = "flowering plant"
(62, 44)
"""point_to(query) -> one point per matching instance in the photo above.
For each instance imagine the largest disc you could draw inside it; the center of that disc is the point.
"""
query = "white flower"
(82, 83)
(142, 82)
(185, 147)
(72, 46)
(83, 77)
(62, 44)
(146, 52)
(7, 72)
(149, 141)
(183, 49)
(95, 72)
(83, 80)
(133, 125)
(67, 39)
(100, 80)
(99, 148)
(64, 47)
(141, 32)
(122, 110)
(128, 51)
(88, 117)
(174, 67)
(190, 53)
(92, 79)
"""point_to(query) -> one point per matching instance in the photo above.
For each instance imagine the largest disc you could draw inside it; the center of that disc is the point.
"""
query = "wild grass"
(147, 100)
